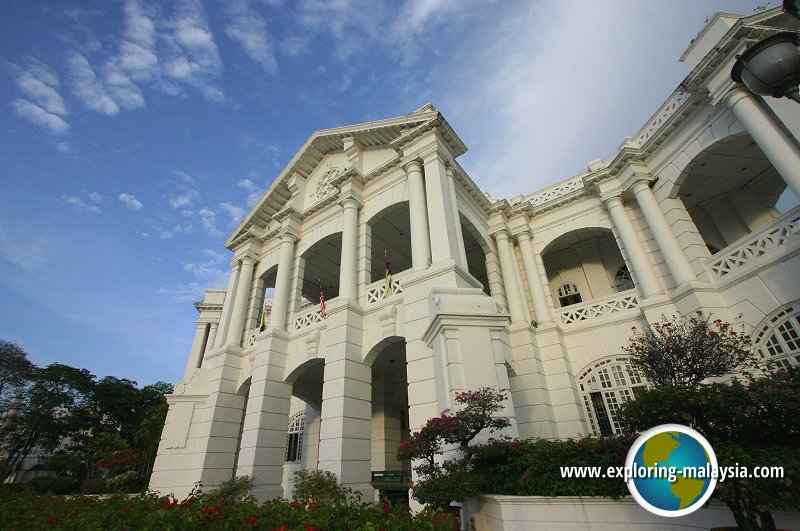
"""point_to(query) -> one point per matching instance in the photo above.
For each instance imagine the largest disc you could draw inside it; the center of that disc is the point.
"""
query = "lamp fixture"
(771, 67)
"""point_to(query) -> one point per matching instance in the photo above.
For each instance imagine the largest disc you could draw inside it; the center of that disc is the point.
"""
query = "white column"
(349, 257)
(451, 182)
(240, 301)
(442, 215)
(642, 272)
(540, 306)
(781, 151)
(198, 346)
(420, 238)
(227, 305)
(212, 335)
(513, 290)
(280, 298)
(676, 259)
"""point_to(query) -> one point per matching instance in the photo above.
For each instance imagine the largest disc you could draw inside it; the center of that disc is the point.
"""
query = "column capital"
(736, 95)
(349, 201)
(248, 259)
(611, 199)
(288, 235)
(524, 234)
(501, 234)
(451, 172)
(641, 183)
(413, 165)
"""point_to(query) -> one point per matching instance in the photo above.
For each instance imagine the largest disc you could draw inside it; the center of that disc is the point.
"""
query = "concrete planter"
(512, 513)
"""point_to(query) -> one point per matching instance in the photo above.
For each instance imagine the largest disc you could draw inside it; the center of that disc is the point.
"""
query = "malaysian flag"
(387, 285)
(322, 311)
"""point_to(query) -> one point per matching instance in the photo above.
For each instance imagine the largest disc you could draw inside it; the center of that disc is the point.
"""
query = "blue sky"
(135, 135)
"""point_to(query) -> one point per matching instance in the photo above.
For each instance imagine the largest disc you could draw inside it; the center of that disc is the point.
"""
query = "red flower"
(251, 520)
(386, 508)
(310, 527)
(50, 520)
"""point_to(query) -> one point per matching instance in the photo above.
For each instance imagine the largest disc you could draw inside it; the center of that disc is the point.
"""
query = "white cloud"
(208, 219)
(235, 213)
(184, 199)
(39, 116)
(248, 28)
(65, 148)
(185, 177)
(82, 205)
(88, 88)
(96, 197)
(254, 193)
(193, 57)
(42, 104)
(130, 201)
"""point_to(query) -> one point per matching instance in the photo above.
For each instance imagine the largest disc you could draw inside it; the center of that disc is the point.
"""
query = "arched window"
(623, 280)
(779, 340)
(605, 385)
(294, 437)
(568, 294)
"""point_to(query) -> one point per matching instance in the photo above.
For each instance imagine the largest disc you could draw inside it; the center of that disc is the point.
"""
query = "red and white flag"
(322, 303)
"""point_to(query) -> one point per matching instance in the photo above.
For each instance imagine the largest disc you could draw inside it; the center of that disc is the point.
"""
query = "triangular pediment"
(391, 133)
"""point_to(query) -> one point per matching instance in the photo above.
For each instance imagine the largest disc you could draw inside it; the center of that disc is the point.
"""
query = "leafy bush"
(533, 467)
(55, 485)
(320, 486)
(128, 481)
(237, 489)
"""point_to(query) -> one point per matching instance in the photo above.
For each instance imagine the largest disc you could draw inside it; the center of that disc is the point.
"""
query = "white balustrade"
(616, 303)
(756, 247)
(376, 292)
(556, 191)
(661, 116)
(307, 319)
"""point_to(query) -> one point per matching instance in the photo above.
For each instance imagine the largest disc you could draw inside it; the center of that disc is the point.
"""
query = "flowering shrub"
(533, 467)
(22, 510)
(440, 484)
(682, 352)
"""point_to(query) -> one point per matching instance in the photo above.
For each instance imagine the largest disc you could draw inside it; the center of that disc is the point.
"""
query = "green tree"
(16, 373)
(751, 423)
(683, 352)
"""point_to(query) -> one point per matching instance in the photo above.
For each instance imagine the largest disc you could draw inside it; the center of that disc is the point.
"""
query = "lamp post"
(771, 67)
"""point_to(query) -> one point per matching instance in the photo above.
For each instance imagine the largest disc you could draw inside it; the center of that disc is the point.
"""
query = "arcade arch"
(585, 261)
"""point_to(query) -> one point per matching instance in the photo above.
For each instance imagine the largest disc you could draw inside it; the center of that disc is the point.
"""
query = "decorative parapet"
(618, 302)
(557, 190)
(307, 319)
(661, 116)
(765, 242)
(376, 292)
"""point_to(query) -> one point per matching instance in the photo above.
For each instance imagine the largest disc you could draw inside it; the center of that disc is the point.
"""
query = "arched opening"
(476, 250)
(604, 385)
(730, 189)
(320, 270)
(261, 309)
(303, 423)
(389, 418)
(583, 265)
(778, 340)
(390, 231)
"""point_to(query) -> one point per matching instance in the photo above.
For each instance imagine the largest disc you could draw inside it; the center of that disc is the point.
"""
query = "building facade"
(432, 287)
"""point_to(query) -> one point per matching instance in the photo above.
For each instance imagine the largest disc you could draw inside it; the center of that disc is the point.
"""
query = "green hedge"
(533, 467)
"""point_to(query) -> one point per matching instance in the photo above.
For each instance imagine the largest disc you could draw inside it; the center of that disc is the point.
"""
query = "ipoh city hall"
(432, 286)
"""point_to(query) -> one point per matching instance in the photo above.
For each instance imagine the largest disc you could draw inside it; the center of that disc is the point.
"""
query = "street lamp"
(771, 67)
(792, 7)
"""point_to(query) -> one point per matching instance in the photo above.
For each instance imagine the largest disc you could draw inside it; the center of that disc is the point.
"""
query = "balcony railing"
(757, 247)
(376, 292)
(616, 303)
(307, 319)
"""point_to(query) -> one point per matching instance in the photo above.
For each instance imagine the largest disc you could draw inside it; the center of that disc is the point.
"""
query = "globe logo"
(671, 470)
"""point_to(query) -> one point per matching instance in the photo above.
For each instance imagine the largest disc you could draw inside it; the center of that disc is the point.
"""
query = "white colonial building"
(536, 294)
